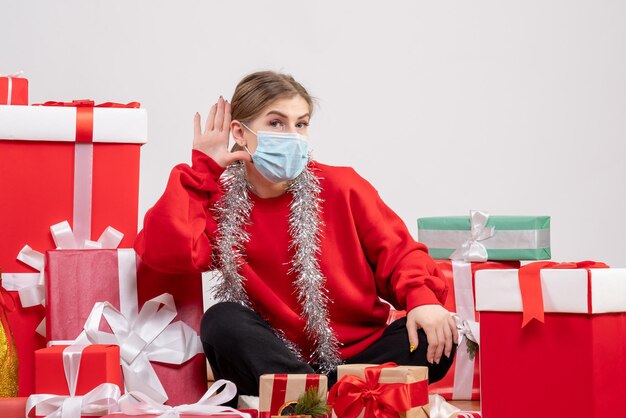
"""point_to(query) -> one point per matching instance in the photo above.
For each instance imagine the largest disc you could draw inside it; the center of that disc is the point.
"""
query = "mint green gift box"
(514, 237)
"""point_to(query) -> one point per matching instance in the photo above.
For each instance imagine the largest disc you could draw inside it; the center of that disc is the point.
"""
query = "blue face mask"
(279, 156)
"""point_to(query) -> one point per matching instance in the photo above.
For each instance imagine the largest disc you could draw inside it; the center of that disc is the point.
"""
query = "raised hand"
(213, 141)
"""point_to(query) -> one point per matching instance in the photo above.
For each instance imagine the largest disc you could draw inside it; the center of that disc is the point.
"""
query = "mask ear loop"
(245, 146)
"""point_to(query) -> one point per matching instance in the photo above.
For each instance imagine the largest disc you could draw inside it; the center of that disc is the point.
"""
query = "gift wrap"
(13, 90)
(279, 390)
(401, 390)
(92, 372)
(78, 280)
(573, 364)
(462, 382)
(79, 164)
(514, 237)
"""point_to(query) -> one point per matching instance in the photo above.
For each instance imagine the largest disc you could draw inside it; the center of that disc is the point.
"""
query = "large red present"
(13, 90)
(103, 291)
(568, 361)
(79, 164)
(92, 372)
(462, 382)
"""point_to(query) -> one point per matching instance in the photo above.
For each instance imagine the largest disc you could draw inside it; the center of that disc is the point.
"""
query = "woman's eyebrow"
(281, 114)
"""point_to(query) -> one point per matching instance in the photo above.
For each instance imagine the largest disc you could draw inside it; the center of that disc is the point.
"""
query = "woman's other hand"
(213, 141)
(440, 329)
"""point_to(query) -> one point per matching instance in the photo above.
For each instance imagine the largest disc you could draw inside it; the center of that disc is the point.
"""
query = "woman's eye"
(276, 124)
(302, 125)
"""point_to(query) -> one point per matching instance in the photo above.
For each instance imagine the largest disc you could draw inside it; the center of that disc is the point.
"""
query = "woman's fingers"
(219, 115)
(453, 329)
(227, 117)
(210, 119)
(231, 157)
(433, 344)
(411, 327)
(197, 129)
(447, 333)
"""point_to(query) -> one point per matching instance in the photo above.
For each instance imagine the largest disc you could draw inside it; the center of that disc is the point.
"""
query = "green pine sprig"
(311, 403)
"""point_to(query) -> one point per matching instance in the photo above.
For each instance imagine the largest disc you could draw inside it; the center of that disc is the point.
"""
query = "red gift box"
(462, 382)
(13, 90)
(572, 364)
(97, 365)
(42, 152)
(77, 279)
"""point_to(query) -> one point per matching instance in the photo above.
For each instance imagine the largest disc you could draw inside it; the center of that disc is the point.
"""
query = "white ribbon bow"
(137, 403)
(144, 337)
(472, 249)
(101, 400)
(467, 329)
(30, 286)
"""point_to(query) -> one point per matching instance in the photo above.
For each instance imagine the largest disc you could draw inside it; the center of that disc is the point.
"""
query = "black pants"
(241, 346)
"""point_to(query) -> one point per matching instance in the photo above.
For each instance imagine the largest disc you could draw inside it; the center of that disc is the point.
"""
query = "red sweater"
(366, 251)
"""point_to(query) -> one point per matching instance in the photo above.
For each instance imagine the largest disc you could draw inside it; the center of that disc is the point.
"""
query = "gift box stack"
(552, 335)
(70, 174)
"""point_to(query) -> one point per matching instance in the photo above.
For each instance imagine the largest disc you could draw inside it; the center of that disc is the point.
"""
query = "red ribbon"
(351, 394)
(84, 115)
(530, 285)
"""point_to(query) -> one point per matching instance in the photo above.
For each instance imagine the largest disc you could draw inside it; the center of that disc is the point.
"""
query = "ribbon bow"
(530, 285)
(100, 400)
(467, 329)
(143, 337)
(351, 394)
(472, 249)
(137, 403)
(30, 286)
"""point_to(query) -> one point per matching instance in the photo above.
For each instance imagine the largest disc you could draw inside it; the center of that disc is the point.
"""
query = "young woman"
(306, 250)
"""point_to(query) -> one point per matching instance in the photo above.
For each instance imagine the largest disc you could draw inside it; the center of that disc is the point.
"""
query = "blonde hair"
(257, 90)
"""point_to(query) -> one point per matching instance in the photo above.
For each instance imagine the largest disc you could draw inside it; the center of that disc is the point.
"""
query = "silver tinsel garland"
(233, 213)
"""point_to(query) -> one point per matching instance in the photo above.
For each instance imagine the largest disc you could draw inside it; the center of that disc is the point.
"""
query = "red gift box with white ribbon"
(75, 381)
(554, 335)
(76, 162)
(13, 89)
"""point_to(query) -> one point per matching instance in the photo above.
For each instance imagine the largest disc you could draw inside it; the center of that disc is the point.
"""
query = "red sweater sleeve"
(177, 229)
(406, 276)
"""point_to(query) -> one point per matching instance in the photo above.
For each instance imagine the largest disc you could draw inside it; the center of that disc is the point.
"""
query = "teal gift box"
(491, 237)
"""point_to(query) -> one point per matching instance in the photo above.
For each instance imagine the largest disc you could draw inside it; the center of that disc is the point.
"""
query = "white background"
(514, 107)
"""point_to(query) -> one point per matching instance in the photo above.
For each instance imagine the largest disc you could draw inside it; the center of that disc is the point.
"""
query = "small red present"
(63, 372)
(78, 163)
(554, 332)
(279, 390)
(13, 90)
(365, 390)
